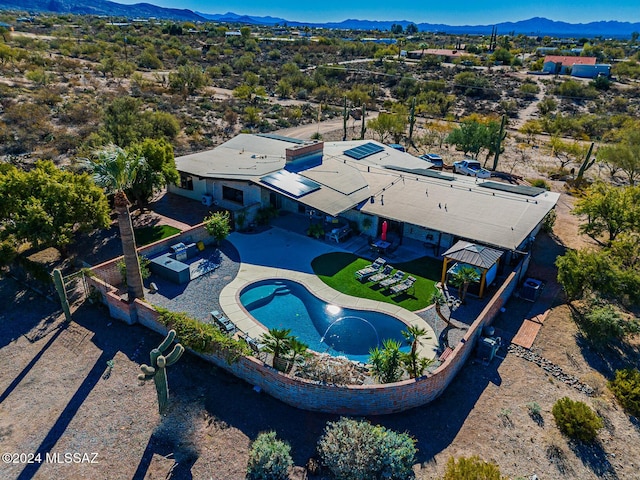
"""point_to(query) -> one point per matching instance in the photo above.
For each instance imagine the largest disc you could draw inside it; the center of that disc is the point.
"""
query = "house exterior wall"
(590, 71)
(199, 189)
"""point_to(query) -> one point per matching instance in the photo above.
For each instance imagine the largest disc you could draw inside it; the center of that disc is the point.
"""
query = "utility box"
(487, 348)
(531, 289)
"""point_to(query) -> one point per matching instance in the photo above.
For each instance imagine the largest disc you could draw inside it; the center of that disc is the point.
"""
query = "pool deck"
(281, 254)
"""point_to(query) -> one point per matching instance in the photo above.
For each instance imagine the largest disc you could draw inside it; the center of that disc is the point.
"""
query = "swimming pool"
(324, 327)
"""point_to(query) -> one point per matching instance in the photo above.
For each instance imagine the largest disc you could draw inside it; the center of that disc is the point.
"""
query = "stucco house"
(365, 182)
(582, 67)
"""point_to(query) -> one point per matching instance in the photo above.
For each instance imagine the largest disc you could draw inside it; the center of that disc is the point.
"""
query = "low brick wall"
(108, 271)
(352, 399)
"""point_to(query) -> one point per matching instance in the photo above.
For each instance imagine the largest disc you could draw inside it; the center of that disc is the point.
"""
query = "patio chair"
(256, 347)
(225, 324)
(403, 286)
(395, 278)
(386, 271)
(369, 270)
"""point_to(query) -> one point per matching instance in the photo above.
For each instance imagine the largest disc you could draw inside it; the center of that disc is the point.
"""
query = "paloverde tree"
(609, 211)
(115, 170)
(625, 154)
(46, 206)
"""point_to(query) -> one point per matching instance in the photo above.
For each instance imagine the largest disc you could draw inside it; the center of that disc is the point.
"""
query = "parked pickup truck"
(471, 168)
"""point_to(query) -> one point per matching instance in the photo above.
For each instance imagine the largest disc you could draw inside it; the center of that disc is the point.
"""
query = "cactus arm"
(157, 369)
(175, 354)
(171, 335)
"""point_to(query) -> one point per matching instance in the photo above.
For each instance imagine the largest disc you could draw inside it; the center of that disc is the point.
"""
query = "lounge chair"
(223, 322)
(369, 270)
(403, 286)
(395, 278)
(256, 347)
(386, 271)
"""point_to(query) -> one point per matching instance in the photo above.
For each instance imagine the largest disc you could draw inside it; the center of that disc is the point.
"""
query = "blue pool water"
(324, 327)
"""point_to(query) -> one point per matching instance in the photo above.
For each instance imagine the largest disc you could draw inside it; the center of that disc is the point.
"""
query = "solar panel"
(363, 151)
(291, 183)
(273, 136)
(519, 189)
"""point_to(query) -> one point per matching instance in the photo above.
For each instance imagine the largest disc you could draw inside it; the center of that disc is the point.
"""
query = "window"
(233, 195)
(186, 182)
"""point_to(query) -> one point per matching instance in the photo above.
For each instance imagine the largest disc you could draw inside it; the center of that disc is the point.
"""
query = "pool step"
(281, 290)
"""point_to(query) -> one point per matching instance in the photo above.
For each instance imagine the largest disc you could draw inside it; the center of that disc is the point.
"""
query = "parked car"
(436, 159)
(471, 168)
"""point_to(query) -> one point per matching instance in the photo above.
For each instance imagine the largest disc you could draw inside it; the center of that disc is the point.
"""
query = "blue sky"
(461, 12)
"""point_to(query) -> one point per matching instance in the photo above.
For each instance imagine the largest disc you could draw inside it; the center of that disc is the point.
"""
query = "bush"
(540, 183)
(269, 458)
(576, 420)
(356, 450)
(549, 221)
(603, 324)
(473, 468)
(626, 388)
(144, 263)
(202, 337)
(218, 225)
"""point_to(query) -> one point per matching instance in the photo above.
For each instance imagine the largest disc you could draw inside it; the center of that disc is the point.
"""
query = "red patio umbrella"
(385, 226)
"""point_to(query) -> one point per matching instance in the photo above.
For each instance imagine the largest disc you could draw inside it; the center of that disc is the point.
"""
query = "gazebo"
(484, 259)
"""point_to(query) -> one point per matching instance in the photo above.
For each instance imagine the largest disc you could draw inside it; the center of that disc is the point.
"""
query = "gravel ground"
(200, 296)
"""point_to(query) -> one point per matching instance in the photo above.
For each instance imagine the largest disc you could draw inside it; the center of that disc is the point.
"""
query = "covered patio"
(484, 259)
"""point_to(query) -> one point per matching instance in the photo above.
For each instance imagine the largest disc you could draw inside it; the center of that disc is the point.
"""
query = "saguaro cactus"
(587, 163)
(58, 281)
(157, 369)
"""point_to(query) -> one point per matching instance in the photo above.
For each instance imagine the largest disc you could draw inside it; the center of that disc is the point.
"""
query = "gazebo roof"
(473, 254)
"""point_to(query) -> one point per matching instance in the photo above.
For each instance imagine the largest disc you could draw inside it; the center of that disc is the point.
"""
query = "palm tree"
(386, 362)
(414, 334)
(438, 299)
(298, 350)
(115, 170)
(277, 342)
(462, 278)
(423, 46)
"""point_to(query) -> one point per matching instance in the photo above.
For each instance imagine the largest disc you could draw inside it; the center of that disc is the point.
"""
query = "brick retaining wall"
(308, 395)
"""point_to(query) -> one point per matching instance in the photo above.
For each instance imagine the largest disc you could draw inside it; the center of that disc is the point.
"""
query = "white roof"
(401, 188)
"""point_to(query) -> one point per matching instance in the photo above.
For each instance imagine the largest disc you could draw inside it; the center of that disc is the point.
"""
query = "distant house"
(384, 41)
(445, 54)
(583, 67)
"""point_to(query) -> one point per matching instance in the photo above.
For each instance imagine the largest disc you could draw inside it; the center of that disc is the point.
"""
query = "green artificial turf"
(147, 235)
(338, 271)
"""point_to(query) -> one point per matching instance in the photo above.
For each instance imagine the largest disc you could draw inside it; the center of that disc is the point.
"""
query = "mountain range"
(534, 26)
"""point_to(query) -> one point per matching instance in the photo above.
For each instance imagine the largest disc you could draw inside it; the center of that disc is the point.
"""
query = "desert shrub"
(145, 272)
(540, 183)
(218, 225)
(356, 450)
(202, 337)
(626, 387)
(269, 458)
(549, 221)
(472, 468)
(576, 420)
(602, 324)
